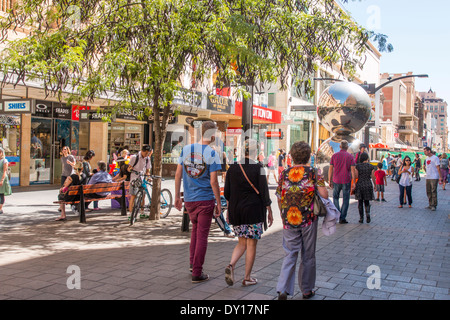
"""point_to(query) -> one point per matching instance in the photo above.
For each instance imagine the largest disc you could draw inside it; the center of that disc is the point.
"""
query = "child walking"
(380, 181)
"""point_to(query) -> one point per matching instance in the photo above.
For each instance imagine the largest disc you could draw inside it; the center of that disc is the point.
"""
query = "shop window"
(40, 151)
(176, 138)
(10, 142)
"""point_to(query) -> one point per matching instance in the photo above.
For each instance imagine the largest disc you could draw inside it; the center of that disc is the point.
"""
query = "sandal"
(61, 219)
(400, 206)
(229, 275)
(250, 282)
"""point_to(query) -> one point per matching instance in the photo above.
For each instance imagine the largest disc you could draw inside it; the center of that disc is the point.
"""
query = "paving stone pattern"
(150, 260)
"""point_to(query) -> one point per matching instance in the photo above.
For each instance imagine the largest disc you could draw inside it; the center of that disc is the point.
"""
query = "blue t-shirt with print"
(198, 162)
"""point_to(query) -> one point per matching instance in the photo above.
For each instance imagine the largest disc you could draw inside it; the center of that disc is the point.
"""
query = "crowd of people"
(80, 172)
(250, 207)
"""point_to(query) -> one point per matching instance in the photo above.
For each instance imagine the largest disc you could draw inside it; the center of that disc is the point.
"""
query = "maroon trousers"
(200, 214)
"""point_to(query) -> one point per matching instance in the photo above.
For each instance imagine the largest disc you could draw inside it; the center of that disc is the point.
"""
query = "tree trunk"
(160, 128)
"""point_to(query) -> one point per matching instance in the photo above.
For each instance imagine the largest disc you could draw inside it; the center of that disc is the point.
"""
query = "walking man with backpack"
(141, 163)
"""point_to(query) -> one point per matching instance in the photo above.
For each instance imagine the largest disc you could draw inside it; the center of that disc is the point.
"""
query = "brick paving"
(409, 246)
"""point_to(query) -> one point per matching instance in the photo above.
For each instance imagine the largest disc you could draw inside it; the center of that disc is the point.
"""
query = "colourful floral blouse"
(296, 192)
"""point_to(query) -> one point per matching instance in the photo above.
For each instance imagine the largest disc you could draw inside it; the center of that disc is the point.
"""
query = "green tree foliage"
(136, 51)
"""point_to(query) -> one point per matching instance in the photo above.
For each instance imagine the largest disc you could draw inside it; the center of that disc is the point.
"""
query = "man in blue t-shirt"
(199, 165)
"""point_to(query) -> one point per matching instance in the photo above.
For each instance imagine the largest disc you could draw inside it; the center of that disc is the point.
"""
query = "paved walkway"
(39, 258)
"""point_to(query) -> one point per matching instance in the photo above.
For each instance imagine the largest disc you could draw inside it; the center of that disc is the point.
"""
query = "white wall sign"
(17, 106)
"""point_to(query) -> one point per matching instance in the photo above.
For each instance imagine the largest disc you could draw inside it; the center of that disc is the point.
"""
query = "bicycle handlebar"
(140, 174)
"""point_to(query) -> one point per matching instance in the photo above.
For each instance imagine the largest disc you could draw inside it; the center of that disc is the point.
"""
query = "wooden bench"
(185, 221)
(84, 190)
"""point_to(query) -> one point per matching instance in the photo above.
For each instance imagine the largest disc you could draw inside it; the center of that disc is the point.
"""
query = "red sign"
(260, 113)
(273, 134)
(76, 111)
(396, 135)
(231, 130)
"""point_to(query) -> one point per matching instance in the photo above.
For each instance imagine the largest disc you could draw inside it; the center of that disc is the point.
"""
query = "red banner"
(260, 113)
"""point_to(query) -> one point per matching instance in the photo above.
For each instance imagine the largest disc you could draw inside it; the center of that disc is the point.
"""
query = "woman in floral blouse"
(295, 195)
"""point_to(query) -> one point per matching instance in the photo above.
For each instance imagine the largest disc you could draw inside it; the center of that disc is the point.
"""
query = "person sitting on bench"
(102, 176)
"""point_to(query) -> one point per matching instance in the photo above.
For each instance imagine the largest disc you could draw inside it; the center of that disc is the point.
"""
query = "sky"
(419, 31)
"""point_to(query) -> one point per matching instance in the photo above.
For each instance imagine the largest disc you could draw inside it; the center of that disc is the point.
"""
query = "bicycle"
(141, 183)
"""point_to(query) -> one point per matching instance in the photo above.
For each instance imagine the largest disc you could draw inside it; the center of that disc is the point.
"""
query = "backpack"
(136, 160)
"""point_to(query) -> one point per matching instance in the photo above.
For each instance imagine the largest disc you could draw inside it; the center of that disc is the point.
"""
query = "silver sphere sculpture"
(343, 109)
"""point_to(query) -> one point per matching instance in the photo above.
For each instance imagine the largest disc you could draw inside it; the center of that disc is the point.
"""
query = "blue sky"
(419, 30)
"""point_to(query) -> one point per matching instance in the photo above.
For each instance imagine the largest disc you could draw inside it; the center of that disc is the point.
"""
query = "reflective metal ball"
(344, 108)
(330, 147)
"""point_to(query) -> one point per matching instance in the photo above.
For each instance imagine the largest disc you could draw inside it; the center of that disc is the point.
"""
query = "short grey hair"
(344, 145)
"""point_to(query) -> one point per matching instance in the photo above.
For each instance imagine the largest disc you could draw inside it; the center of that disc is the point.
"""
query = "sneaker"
(433, 208)
(377, 199)
(197, 279)
(383, 200)
(343, 221)
(429, 207)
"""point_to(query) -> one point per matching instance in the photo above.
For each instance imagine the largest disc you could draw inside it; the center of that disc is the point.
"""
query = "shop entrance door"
(61, 138)
(40, 151)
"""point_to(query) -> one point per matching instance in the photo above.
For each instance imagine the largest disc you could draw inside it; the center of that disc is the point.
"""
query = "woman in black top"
(73, 180)
(246, 209)
(364, 186)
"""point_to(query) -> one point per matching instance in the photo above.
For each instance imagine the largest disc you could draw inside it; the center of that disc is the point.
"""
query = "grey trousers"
(431, 185)
(294, 241)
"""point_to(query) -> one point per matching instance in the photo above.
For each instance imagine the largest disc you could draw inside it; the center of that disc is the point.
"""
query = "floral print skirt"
(249, 231)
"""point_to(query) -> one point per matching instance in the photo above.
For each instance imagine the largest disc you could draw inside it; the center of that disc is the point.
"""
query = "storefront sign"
(259, 113)
(43, 109)
(218, 103)
(76, 111)
(274, 134)
(61, 111)
(172, 118)
(187, 98)
(131, 114)
(96, 115)
(17, 106)
(234, 131)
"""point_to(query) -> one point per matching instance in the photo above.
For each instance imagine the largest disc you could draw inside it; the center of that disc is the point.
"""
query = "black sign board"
(219, 103)
(96, 115)
(43, 109)
(61, 111)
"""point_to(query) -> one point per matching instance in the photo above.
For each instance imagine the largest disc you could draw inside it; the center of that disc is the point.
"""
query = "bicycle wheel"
(166, 203)
(136, 207)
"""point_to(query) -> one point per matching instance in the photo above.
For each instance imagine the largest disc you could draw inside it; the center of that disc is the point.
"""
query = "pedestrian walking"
(433, 176)
(397, 164)
(281, 161)
(340, 176)
(417, 167)
(405, 183)
(271, 163)
(362, 149)
(364, 187)
(444, 166)
(380, 181)
(247, 193)
(198, 167)
(5, 186)
(295, 195)
(389, 164)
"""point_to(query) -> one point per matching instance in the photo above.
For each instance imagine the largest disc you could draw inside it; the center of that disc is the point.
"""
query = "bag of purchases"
(320, 209)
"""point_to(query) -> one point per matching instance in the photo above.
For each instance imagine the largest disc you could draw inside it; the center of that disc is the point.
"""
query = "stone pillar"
(25, 146)
(98, 141)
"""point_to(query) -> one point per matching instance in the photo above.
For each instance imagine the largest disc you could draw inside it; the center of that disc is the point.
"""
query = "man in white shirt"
(432, 168)
(141, 163)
